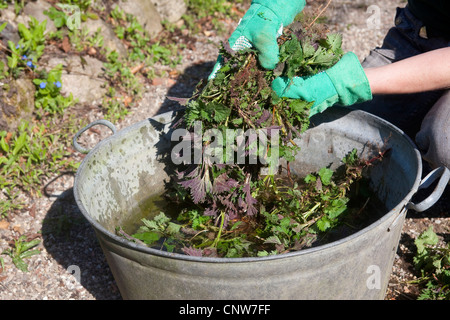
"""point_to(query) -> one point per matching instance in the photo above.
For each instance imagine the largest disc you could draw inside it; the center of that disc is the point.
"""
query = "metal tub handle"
(81, 149)
(443, 174)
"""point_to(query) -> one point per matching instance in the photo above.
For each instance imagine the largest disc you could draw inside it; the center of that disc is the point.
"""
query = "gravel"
(71, 264)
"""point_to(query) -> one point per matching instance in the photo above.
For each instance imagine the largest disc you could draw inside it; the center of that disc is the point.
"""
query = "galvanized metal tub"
(123, 171)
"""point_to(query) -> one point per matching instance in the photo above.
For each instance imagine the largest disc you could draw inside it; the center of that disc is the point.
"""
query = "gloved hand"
(260, 27)
(345, 84)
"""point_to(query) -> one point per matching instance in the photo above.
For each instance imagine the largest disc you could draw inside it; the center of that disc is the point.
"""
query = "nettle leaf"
(250, 201)
(334, 42)
(148, 238)
(195, 252)
(205, 115)
(161, 218)
(150, 224)
(293, 52)
(351, 158)
(273, 239)
(299, 106)
(310, 178)
(324, 224)
(290, 48)
(224, 184)
(221, 75)
(308, 49)
(196, 187)
(192, 112)
(324, 57)
(238, 121)
(336, 207)
(173, 228)
(221, 112)
(428, 237)
(325, 175)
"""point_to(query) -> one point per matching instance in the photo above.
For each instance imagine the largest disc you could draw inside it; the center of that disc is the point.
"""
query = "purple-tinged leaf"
(220, 184)
(194, 252)
(224, 184)
(230, 206)
(272, 128)
(264, 117)
(211, 211)
(251, 210)
(227, 48)
(182, 101)
(196, 187)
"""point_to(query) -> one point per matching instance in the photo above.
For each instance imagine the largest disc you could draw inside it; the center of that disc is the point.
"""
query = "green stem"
(222, 220)
(312, 210)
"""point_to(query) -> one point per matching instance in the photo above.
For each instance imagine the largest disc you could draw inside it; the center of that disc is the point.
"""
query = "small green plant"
(433, 262)
(68, 20)
(124, 73)
(81, 39)
(48, 92)
(71, 14)
(84, 5)
(115, 107)
(61, 19)
(141, 47)
(21, 251)
(32, 39)
(121, 76)
(25, 54)
(4, 4)
(204, 8)
(27, 155)
(18, 5)
(215, 10)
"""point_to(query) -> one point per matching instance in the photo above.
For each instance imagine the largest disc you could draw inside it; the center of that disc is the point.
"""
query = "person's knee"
(433, 139)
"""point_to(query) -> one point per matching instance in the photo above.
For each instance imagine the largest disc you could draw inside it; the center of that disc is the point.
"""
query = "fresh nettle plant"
(433, 262)
(236, 210)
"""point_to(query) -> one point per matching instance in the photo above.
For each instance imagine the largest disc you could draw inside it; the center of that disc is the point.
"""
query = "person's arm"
(424, 72)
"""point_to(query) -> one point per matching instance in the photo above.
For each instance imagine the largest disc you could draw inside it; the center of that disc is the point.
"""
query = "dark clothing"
(406, 111)
(425, 115)
(435, 14)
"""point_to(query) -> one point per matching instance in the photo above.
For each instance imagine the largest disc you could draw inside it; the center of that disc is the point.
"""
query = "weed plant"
(22, 249)
(432, 260)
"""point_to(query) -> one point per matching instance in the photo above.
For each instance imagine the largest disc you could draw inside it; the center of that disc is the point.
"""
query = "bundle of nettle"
(234, 198)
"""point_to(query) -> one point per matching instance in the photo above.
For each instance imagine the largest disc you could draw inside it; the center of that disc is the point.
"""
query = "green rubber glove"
(260, 27)
(345, 84)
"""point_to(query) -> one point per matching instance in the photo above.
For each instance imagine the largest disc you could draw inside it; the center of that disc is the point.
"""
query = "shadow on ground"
(186, 84)
(71, 241)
